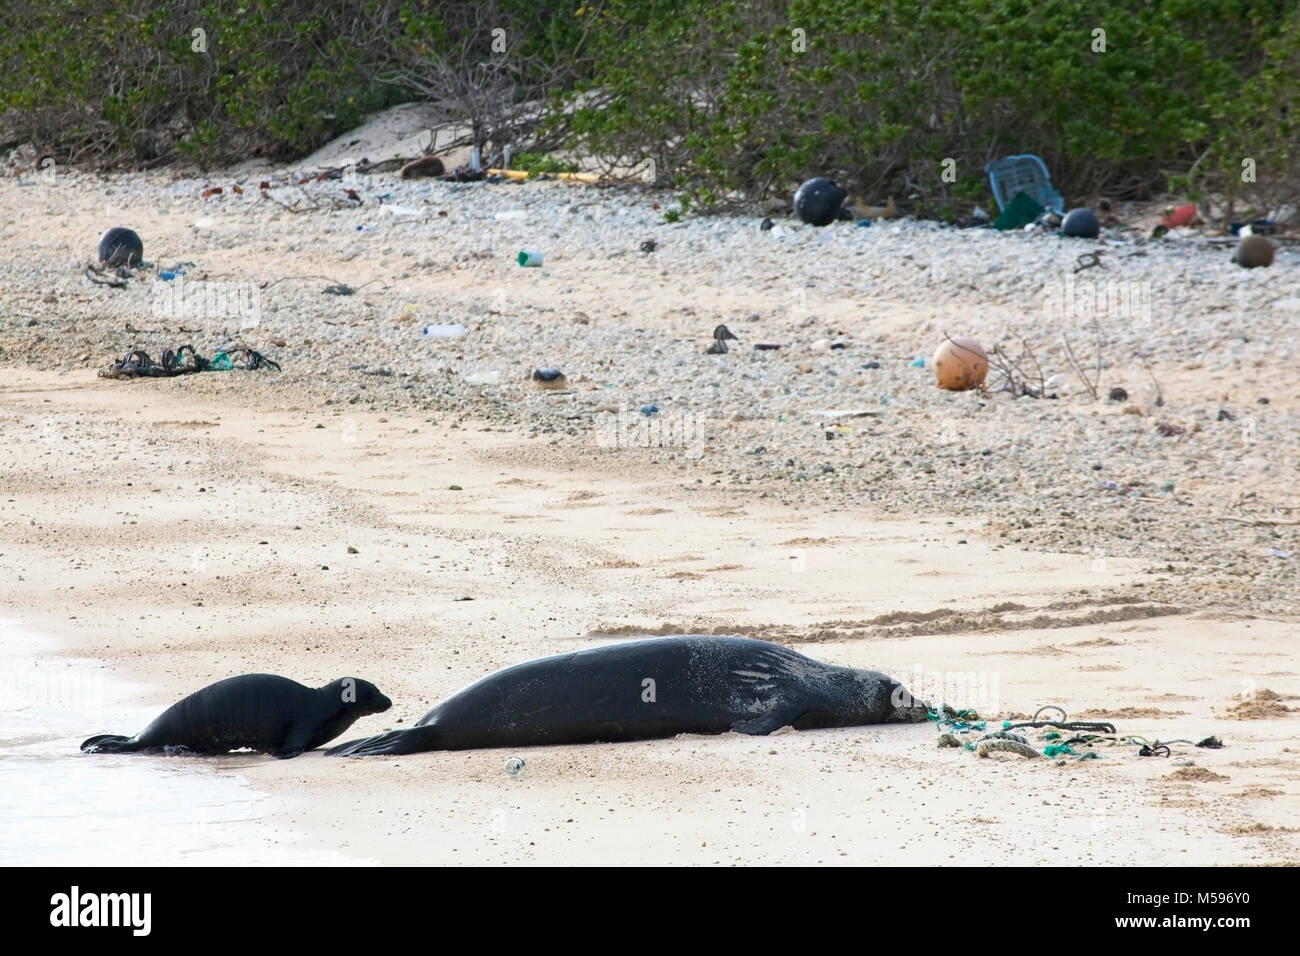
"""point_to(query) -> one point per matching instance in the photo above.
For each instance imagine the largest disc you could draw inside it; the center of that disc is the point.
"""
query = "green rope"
(1085, 733)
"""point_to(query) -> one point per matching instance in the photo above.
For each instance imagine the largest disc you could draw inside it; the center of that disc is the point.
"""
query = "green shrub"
(728, 99)
(534, 164)
(731, 99)
(121, 81)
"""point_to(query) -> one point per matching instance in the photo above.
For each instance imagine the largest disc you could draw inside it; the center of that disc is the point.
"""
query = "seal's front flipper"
(767, 723)
(293, 744)
(108, 744)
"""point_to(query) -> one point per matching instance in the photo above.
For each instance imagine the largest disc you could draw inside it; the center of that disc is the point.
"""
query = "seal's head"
(359, 696)
(903, 707)
(867, 697)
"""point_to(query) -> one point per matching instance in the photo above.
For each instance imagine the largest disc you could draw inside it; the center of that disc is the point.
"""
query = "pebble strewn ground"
(1196, 470)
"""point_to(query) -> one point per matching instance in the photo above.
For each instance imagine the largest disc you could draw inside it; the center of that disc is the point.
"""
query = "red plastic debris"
(1182, 216)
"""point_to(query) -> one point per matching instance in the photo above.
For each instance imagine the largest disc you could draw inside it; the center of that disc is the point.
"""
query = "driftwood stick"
(1096, 385)
(1042, 380)
(1074, 364)
(1160, 395)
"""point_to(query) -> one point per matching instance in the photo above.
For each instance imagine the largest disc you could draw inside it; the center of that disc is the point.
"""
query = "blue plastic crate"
(1026, 174)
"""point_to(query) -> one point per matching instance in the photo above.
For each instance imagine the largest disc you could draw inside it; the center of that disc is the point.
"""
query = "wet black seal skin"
(262, 712)
(640, 690)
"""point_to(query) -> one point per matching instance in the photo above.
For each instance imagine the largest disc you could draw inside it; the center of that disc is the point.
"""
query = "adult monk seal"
(661, 687)
(262, 712)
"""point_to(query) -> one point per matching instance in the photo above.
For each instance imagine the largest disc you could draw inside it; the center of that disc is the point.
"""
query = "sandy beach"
(372, 511)
(112, 546)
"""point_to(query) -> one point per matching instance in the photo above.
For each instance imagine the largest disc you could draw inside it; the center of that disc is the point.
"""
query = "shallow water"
(61, 807)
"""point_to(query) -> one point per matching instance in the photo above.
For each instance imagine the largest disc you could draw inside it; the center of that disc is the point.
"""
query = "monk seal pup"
(642, 690)
(262, 712)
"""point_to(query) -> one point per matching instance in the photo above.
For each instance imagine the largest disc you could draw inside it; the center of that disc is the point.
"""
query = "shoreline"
(79, 811)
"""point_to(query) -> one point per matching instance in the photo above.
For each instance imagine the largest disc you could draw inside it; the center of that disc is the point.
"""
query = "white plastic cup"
(526, 258)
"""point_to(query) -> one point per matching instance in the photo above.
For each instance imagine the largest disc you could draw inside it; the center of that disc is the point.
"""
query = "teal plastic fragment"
(1020, 212)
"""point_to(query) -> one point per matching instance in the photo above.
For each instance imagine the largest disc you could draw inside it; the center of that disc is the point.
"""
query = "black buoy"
(1081, 224)
(121, 247)
(818, 201)
(546, 377)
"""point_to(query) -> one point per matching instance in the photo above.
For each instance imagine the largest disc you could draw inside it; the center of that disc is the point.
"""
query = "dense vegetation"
(727, 97)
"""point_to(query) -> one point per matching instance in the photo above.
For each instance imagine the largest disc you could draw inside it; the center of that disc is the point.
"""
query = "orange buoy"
(960, 364)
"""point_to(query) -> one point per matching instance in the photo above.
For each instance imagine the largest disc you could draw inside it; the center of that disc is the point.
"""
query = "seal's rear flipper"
(767, 723)
(411, 741)
(108, 744)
